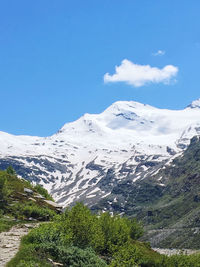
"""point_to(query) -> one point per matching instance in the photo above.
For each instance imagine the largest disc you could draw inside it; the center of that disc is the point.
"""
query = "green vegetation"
(42, 191)
(179, 205)
(16, 205)
(4, 192)
(173, 206)
(184, 261)
(80, 238)
(5, 222)
(31, 210)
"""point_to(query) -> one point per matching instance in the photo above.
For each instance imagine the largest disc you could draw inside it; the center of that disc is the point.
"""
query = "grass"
(28, 257)
(6, 224)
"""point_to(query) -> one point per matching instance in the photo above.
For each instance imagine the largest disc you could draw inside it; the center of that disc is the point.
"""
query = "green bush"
(76, 257)
(10, 184)
(4, 191)
(104, 233)
(28, 256)
(137, 254)
(83, 226)
(184, 260)
(10, 170)
(80, 238)
(5, 224)
(126, 256)
(42, 191)
(46, 234)
(116, 231)
(31, 209)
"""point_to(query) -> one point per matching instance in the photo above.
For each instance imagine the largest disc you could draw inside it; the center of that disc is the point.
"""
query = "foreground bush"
(184, 261)
(4, 191)
(74, 256)
(80, 238)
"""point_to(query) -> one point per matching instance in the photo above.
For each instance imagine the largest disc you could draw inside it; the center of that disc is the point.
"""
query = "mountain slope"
(87, 158)
(168, 202)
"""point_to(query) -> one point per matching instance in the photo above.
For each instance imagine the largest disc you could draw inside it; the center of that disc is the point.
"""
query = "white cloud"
(159, 53)
(139, 75)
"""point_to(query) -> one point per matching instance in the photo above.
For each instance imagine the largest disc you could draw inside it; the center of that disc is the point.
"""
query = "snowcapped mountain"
(86, 158)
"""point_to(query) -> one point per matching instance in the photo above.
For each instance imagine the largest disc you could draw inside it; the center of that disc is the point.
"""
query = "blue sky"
(54, 55)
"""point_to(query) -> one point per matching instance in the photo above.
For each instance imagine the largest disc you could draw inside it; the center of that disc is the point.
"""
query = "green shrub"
(117, 231)
(10, 170)
(83, 226)
(5, 224)
(137, 254)
(80, 238)
(104, 233)
(42, 191)
(76, 257)
(126, 256)
(184, 260)
(4, 191)
(31, 209)
(28, 257)
(50, 233)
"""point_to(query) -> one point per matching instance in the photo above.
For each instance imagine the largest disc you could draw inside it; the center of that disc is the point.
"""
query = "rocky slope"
(87, 159)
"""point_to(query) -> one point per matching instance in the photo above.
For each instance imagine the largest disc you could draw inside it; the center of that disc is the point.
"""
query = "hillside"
(80, 238)
(20, 201)
(76, 237)
(168, 201)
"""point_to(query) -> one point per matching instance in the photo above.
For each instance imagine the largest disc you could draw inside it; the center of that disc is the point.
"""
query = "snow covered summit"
(126, 122)
(194, 104)
(87, 157)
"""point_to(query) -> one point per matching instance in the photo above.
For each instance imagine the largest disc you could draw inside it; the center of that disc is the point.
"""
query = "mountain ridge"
(86, 158)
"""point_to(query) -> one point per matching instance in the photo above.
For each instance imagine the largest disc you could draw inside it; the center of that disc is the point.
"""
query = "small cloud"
(139, 75)
(159, 53)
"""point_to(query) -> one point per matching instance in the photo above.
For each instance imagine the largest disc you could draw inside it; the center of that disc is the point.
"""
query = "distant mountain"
(89, 158)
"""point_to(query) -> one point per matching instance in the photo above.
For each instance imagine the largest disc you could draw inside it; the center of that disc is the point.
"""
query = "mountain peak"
(195, 104)
(127, 105)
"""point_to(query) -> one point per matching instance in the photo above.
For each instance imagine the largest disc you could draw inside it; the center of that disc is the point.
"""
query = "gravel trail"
(10, 242)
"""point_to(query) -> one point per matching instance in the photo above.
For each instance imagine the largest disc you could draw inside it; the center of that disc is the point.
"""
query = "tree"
(81, 222)
(4, 192)
(10, 170)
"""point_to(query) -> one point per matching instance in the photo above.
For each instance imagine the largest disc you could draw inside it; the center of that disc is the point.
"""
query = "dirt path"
(10, 241)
